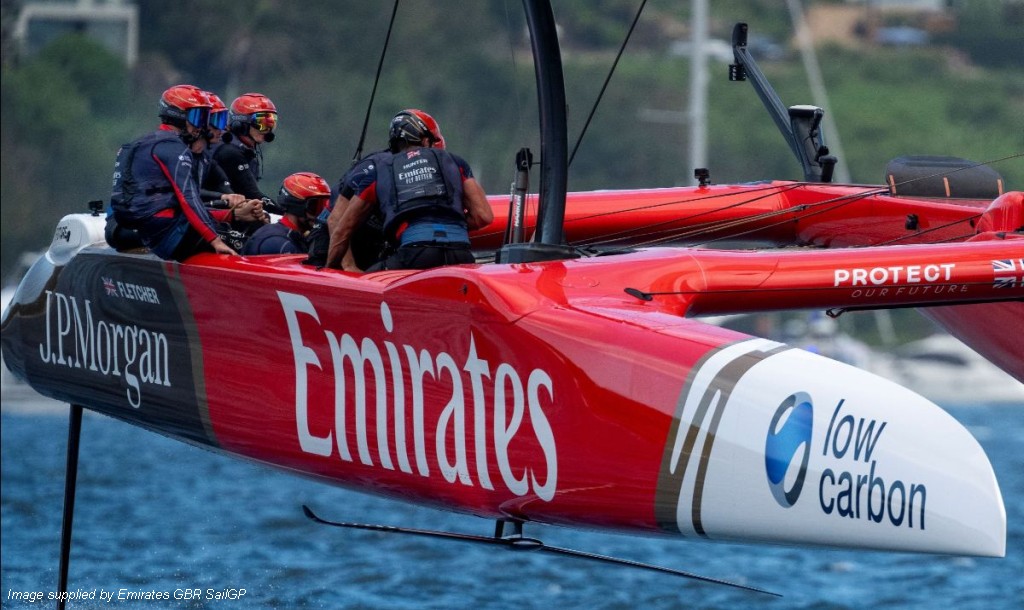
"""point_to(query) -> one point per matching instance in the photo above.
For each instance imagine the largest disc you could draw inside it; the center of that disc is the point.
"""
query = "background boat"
(928, 360)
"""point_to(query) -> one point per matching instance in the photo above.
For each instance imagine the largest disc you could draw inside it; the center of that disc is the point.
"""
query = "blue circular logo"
(785, 443)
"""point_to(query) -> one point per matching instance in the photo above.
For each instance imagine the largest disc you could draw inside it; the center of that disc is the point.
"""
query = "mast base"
(532, 252)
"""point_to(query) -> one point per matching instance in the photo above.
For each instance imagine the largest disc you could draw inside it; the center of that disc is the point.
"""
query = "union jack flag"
(1008, 273)
(108, 285)
(415, 152)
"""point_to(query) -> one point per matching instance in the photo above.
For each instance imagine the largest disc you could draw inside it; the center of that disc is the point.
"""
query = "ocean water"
(160, 517)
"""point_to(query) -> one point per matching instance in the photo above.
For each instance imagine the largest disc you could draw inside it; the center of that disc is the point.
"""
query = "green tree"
(62, 123)
(989, 31)
(66, 111)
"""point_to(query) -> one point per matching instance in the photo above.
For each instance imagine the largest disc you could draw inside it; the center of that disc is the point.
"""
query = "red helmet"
(217, 104)
(304, 192)
(413, 125)
(218, 111)
(185, 103)
(253, 110)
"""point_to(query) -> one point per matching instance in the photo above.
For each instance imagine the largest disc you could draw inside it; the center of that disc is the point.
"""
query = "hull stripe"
(699, 411)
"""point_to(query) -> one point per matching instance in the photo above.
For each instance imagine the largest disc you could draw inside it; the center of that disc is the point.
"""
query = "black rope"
(606, 80)
(376, 79)
(802, 213)
(666, 233)
(689, 229)
(788, 214)
(969, 220)
(811, 209)
(648, 296)
(775, 188)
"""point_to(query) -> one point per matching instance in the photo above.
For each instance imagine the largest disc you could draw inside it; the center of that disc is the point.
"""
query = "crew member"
(218, 121)
(252, 119)
(156, 186)
(368, 245)
(215, 187)
(303, 196)
(427, 196)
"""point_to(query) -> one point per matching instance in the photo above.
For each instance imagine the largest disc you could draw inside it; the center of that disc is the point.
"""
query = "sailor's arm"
(186, 192)
(350, 217)
(348, 260)
(479, 213)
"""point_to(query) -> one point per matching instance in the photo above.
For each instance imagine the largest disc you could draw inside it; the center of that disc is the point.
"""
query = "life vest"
(419, 182)
(139, 191)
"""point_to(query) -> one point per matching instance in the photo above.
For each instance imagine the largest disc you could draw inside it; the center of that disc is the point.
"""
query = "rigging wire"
(608, 78)
(515, 71)
(792, 214)
(376, 79)
(770, 187)
(638, 208)
(640, 294)
(971, 220)
(618, 236)
(520, 114)
(802, 212)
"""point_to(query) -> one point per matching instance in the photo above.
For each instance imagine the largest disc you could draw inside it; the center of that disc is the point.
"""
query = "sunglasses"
(264, 122)
(199, 117)
(219, 120)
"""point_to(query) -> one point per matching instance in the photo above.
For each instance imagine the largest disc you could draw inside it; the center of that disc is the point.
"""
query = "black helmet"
(412, 126)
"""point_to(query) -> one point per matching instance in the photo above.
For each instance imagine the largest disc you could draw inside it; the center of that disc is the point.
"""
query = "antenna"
(799, 125)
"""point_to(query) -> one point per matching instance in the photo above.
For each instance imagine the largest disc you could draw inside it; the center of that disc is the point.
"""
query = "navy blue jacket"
(166, 200)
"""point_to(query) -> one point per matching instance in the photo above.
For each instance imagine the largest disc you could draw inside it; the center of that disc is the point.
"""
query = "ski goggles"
(200, 117)
(264, 122)
(219, 120)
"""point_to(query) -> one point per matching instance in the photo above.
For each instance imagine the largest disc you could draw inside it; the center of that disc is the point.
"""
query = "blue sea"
(157, 517)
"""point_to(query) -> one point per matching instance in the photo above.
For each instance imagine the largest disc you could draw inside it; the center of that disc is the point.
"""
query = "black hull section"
(113, 333)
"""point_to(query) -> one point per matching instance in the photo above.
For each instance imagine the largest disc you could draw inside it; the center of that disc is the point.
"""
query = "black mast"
(554, 147)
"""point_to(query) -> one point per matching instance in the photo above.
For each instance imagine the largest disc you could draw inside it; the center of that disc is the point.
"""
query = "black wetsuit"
(241, 164)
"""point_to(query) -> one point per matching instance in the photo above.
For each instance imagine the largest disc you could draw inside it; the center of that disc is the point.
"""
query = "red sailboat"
(571, 385)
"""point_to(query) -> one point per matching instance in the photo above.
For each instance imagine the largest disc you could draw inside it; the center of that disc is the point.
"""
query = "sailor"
(303, 197)
(428, 198)
(156, 183)
(215, 188)
(252, 119)
(368, 245)
(218, 121)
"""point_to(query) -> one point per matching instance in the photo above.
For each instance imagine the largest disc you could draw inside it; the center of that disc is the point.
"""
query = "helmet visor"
(199, 117)
(219, 120)
(264, 122)
(316, 205)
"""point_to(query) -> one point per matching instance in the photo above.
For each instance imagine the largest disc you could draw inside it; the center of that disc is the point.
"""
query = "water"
(155, 515)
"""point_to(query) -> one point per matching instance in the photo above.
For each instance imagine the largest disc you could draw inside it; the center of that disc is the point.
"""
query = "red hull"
(570, 392)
